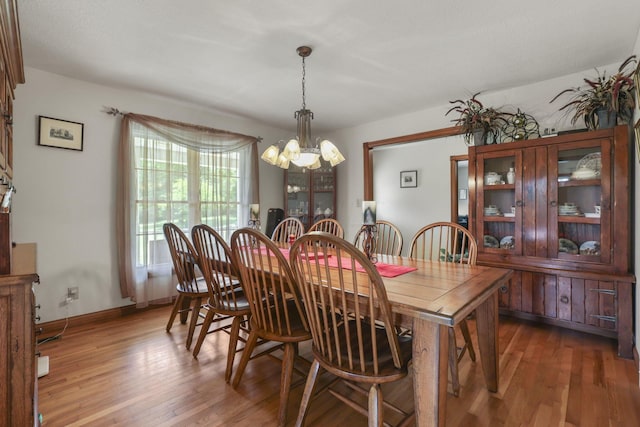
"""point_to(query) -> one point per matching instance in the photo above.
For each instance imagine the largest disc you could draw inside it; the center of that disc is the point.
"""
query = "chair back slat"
(287, 227)
(218, 268)
(345, 302)
(183, 256)
(328, 225)
(388, 238)
(444, 241)
(267, 282)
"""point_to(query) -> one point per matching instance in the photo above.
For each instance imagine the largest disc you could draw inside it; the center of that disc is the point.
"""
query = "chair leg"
(233, 343)
(464, 327)
(184, 308)
(453, 362)
(290, 351)
(195, 314)
(376, 413)
(246, 355)
(174, 311)
(208, 319)
(308, 392)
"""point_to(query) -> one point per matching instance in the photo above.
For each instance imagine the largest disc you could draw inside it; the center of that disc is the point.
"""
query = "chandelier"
(300, 150)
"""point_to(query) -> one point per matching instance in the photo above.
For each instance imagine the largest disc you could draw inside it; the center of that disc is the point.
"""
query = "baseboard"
(55, 326)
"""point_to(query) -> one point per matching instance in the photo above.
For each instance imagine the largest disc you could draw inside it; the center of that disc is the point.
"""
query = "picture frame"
(408, 179)
(60, 133)
(462, 195)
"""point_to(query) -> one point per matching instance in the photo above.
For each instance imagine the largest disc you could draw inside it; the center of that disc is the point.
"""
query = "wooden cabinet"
(310, 195)
(18, 372)
(11, 74)
(563, 223)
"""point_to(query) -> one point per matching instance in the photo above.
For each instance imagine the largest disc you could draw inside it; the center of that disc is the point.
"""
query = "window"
(184, 186)
(184, 174)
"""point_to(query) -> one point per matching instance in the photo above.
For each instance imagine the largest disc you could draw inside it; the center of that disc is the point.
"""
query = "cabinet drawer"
(576, 300)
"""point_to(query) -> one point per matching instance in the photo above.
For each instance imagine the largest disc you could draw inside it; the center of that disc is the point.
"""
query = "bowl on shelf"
(584, 172)
(568, 209)
(492, 178)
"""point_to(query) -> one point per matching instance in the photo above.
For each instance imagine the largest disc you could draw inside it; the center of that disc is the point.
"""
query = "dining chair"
(226, 299)
(277, 313)
(191, 286)
(287, 227)
(388, 238)
(448, 242)
(328, 225)
(350, 317)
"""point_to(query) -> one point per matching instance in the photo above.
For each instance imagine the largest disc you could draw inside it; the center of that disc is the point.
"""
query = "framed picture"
(60, 133)
(463, 194)
(408, 179)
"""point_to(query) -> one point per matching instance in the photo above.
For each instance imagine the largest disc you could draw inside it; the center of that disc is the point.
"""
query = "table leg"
(487, 324)
(430, 351)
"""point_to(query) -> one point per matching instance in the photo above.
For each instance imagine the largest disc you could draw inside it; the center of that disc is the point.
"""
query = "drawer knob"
(564, 299)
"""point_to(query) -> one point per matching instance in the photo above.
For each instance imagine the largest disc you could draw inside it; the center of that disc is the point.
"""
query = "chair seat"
(386, 369)
(238, 304)
(297, 332)
(199, 288)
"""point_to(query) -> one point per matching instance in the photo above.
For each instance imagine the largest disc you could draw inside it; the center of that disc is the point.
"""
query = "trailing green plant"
(615, 94)
(474, 116)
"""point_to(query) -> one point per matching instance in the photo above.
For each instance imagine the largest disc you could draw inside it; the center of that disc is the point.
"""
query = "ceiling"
(371, 58)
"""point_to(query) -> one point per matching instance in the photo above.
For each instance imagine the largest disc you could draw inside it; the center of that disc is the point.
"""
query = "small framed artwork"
(463, 194)
(408, 179)
(60, 133)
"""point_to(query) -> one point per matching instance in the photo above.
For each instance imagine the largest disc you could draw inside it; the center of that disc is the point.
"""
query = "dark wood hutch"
(591, 291)
(18, 382)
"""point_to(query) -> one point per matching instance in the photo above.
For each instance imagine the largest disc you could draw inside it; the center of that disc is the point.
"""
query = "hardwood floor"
(130, 372)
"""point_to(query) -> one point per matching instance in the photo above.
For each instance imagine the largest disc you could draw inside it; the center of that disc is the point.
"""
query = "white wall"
(430, 201)
(65, 200)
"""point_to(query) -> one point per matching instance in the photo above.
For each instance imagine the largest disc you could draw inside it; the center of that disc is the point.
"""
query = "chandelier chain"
(304, 104)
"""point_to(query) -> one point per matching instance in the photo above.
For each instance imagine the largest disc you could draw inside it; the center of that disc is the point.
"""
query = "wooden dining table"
(430, 299)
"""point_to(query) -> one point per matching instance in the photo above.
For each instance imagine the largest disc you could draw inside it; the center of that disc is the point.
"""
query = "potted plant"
(477, 121)
(603, 100)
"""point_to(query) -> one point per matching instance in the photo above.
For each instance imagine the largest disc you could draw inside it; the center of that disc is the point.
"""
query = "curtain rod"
(112, 111)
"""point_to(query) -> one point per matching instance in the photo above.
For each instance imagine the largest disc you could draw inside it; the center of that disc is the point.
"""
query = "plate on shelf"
(507, 242)
(591, 215)
(509, 214)
(491, 242)
(591, 161)
(567, 246)
(590, 248)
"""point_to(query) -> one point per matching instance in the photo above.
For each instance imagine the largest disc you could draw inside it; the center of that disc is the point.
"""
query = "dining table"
(428, 297)
(431, 296)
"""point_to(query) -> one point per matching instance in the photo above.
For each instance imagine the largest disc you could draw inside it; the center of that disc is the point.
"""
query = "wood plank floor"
(130, 372)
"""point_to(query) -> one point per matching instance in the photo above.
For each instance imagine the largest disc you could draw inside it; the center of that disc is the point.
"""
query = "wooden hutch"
(563, 225)
(18, 373)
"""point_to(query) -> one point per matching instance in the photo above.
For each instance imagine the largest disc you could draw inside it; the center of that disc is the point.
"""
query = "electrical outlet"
(73, 293)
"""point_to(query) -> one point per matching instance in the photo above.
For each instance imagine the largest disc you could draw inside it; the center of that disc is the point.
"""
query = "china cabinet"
(561, 220)
(310, 195)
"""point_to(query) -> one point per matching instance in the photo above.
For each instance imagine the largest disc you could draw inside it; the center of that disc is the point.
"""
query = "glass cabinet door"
(298, 194)
(579, 201)
(499, 204)
(310, 194)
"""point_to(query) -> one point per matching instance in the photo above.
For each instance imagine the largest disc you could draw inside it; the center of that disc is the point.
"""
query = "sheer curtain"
(181, 173)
